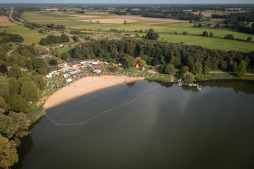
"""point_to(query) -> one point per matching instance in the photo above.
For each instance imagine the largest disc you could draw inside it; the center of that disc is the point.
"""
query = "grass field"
(212, 43)
(30, 36)
(81, 21)
(62, 50)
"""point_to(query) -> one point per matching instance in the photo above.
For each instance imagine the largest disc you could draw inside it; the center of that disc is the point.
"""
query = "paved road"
(11, 19)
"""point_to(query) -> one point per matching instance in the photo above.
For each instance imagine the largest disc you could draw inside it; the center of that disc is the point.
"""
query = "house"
(136, 65)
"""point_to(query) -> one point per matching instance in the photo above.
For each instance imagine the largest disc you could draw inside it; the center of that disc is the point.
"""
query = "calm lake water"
(167, 127)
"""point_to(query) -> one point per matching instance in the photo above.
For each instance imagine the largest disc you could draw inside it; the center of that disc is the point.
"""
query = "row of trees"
(197, 58)
(174, 14)
(51, 39)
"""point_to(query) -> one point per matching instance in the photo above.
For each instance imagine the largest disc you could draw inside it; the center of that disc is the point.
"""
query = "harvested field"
(4, 21)
(84, 16)
(111, 20)
(152, 19)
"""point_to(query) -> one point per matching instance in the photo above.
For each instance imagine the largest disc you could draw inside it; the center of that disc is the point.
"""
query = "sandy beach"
(84, 86)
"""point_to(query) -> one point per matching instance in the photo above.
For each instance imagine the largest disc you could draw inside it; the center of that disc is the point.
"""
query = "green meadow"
(166, 30)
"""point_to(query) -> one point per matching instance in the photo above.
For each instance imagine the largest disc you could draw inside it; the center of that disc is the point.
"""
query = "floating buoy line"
(108, 110)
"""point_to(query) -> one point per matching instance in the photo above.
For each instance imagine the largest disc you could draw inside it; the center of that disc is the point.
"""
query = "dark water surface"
(168, 127)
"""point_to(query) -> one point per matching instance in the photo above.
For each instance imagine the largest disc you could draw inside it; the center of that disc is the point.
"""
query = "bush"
(185, 33)
(205, 33)
(229, 36)
(249, 39)
(211, 34)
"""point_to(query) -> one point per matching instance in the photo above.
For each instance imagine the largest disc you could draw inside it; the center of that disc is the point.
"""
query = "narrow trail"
(100, 114)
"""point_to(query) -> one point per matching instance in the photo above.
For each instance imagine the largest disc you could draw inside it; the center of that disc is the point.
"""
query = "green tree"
(206, 69)
(185, 33)
(229, 36)
(155, 62)
(14, 72)
(3, 104)
(128, 62)
(249, 39)
(142, 63)
(170, 69)
(14, 86)
(188, 77)
(152, 35)
(184, 69)
(8, 153)
(39, 81)
(4, 88)
(145, 58)
(197, 68)
(3, 68)
(29, 91)
(205, 33)
(241, 69)
(18, 103)
(211, 34)
(115, 69)
(38, 63)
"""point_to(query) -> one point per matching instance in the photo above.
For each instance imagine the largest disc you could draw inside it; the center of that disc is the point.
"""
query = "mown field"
(166, 28)
(30, 35)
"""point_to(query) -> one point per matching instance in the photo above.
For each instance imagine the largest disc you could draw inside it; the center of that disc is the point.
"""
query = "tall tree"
(170, 69)
(241, 69)
(29, 91)
(188, 77)
(3, 68)
(39, 81)
(14, 72)
(128, 62)
(4, 88)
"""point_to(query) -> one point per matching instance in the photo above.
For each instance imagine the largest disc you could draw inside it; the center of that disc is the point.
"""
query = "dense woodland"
(19, 93)
(172, 14)
(196, 58)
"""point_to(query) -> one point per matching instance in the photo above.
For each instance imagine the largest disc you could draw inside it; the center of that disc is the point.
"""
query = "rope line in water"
(116, 107)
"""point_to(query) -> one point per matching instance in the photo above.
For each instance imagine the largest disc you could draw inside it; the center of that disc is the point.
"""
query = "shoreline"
(85, 86)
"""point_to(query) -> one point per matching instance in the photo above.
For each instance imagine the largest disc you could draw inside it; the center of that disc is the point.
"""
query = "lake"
(166, 126)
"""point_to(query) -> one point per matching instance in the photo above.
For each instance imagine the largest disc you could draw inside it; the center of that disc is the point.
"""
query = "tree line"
(159, 13)
(198, 59)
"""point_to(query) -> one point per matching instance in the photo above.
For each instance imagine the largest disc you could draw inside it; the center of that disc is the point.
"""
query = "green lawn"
(62, 50)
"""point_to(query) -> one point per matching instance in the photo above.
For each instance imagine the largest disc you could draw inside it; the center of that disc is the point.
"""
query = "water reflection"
(170, 127)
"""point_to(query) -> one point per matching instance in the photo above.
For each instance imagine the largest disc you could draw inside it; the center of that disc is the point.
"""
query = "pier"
(180, 83)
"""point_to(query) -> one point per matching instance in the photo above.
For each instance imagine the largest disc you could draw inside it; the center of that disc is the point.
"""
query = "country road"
(11, 19)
